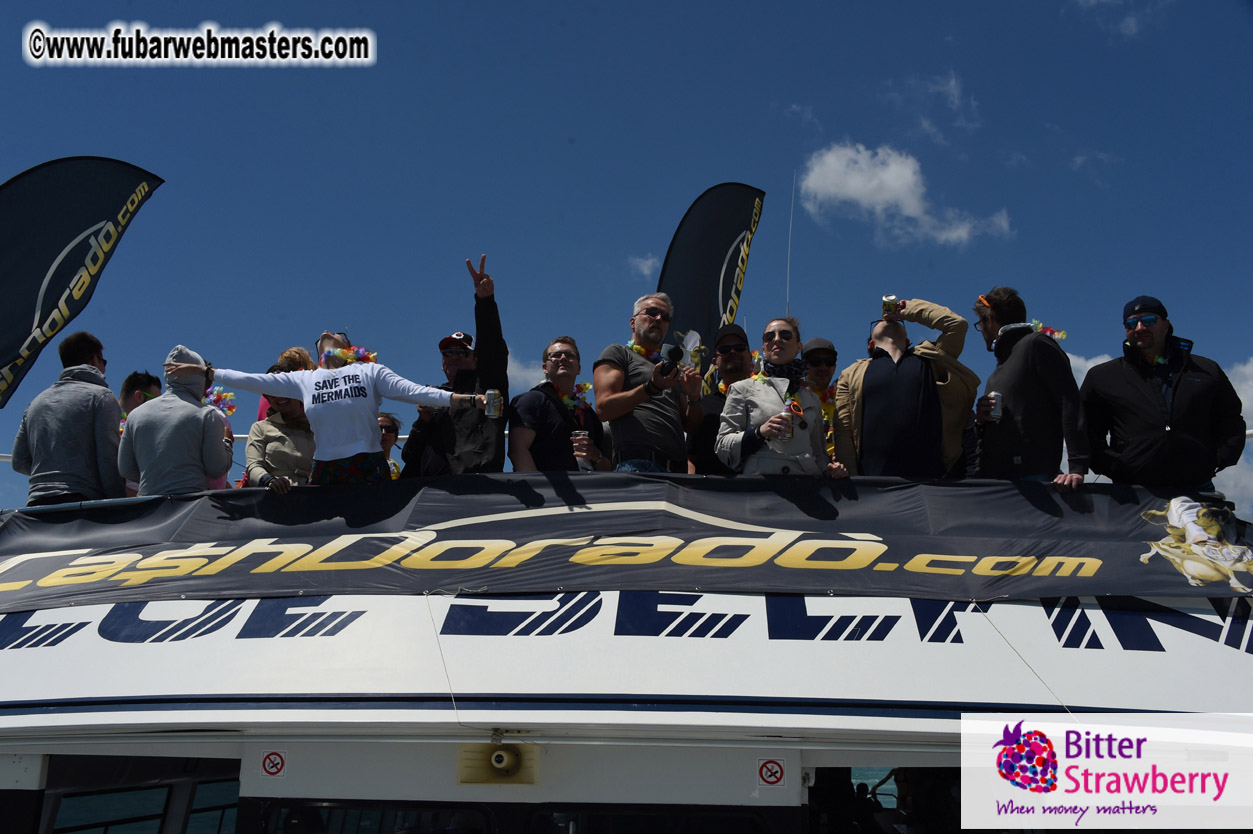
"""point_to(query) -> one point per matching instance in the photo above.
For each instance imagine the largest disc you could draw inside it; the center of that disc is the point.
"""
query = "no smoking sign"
(770, 772)
(274, 764)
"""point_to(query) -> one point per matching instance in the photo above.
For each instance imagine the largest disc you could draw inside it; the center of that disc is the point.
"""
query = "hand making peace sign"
(483, 286)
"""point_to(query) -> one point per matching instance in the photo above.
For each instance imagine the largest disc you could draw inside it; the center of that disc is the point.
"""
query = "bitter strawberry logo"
(1027, 760)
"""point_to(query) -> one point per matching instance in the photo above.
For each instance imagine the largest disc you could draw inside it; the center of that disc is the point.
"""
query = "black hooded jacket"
(1171, 425)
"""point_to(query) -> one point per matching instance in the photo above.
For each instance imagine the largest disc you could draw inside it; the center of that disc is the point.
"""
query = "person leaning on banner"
(443, 442)
(901, 411)
(341, 401)
(1160, 415)
(733, 362)
(648, 401)
(820, 356)
(544, 421)
(772, 423)
(1039, 399)
(68, 440)
(176, 443)
(280, 449)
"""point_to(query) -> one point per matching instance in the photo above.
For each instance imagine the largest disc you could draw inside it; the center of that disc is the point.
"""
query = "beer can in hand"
(495, 403)
(889, 304)
(786, 433)
(585, 463)
(995, 414)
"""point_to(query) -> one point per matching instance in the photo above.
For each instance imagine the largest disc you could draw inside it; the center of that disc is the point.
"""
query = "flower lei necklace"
(1040, 327)
(352, 354)
(579, 400)
(221, 399)
(651, 356)
(826, 395)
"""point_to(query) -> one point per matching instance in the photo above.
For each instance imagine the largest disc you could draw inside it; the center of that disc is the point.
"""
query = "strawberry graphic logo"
(1027, 760)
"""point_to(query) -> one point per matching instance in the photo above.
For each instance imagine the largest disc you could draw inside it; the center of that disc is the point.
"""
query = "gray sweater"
(69, 437)
(175, 443)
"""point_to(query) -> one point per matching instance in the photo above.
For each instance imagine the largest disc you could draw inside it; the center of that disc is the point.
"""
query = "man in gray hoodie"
(175, 443)
(68, 441)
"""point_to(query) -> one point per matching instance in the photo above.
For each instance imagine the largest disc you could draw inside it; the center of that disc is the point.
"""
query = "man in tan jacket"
(901, 411)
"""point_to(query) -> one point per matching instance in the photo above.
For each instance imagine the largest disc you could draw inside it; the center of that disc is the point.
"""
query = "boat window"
(213, 808)
(310, 819)
(625, 821)
(112, 812)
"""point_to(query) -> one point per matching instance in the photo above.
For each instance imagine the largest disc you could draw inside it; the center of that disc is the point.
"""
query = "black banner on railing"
(513, 534)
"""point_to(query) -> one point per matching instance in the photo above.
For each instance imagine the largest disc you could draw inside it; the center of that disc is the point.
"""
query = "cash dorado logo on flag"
(60, 223)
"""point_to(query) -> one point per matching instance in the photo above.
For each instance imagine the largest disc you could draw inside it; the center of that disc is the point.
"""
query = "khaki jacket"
(956, 385)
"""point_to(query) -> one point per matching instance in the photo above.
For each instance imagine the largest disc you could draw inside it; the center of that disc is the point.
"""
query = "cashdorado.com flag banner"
(704, 268)
(60, 222)
(977, 541)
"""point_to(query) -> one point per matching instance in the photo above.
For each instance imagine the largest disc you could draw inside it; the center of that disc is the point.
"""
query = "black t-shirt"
(552, 423)
(900, 418)
(700, 443)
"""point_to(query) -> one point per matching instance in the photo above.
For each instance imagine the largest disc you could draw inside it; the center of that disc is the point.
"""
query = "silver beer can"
(495, 403)
(786, 434)
(889, 304)
(995, 414)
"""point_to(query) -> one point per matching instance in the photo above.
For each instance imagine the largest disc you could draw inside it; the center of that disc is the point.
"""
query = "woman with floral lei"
(772, 423)
(341, 400)
(553, 427)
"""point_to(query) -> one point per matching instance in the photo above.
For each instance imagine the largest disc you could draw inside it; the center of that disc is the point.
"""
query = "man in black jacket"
(1039, 399)
(446, 441)
(1172, 418)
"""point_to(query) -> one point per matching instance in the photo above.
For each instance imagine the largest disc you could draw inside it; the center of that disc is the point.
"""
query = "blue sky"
(1082, 152)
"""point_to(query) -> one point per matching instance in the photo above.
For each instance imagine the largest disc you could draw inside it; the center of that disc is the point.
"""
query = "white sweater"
(341, 404)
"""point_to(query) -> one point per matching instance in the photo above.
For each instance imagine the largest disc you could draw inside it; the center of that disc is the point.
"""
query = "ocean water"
(871, 775)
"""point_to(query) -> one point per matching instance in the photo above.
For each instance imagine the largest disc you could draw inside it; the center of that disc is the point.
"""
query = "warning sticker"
(769, 772)
(274, 763)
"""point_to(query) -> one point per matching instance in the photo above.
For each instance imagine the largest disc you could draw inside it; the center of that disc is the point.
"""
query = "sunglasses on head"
(656, 313)
(455, 353)
(1148, 320)
(781, 335)
(822, 362)
(739, 347)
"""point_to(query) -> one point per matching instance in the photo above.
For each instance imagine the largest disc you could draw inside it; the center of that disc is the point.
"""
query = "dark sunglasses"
(656, 313)
(821, 363)
(389, 429)
(1148, 320)
(736, 348)
(781, 335)
(566, 354)
(457, 353)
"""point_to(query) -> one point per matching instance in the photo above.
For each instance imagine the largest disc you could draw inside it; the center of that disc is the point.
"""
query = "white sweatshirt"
(341, 404)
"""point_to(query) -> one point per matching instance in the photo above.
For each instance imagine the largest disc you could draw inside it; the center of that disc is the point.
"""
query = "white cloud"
(523, 375)
(929, 128)
(1127, 18)
(1080, 365)
(965, 109)
(805, 112)
(646, 266)
(886, 186)
(1237, 481)
(1013, 159)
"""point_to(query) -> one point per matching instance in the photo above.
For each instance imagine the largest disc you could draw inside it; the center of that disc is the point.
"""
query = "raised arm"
(952, 327)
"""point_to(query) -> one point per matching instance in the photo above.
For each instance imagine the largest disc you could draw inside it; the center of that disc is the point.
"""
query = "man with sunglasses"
(733, 361)
(553, 427)
(901, 411)
(820, 356)
(1160, 415)
(1039, 399)
(647, 400)
(455, 441)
